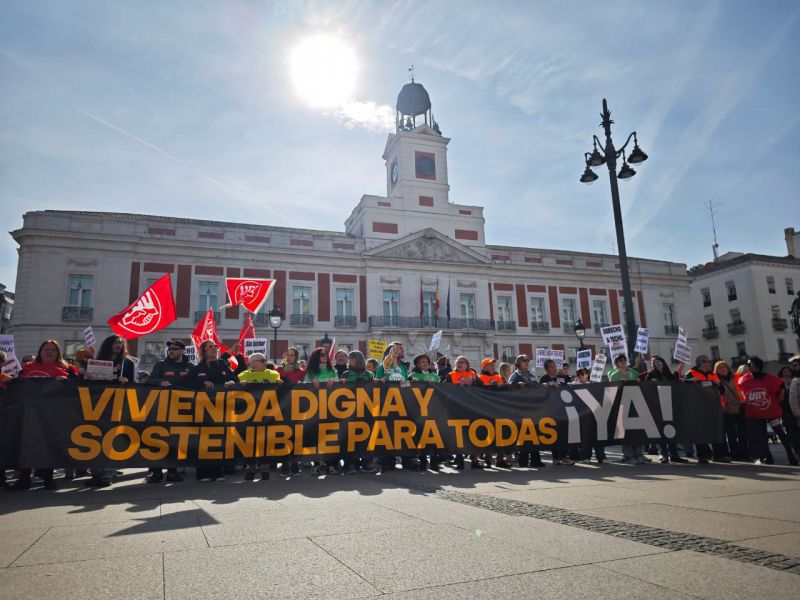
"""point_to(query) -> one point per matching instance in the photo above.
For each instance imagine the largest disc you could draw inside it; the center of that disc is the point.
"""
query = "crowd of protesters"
(754, 402)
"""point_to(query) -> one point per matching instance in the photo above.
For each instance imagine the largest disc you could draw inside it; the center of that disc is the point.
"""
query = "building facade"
(741, 305)
(406, 265)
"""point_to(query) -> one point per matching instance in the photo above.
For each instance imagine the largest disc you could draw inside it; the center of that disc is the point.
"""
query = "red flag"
(153, 311)
(250, 293)
(332, 352)
(206, 329)
(248, 331)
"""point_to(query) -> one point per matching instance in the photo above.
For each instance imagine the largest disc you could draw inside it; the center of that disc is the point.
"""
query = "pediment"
(428, 246)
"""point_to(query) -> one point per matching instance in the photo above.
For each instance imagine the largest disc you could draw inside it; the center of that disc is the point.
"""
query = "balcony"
(301, 320)
(376, 322)
(779, 324)
(736, 328)
(732, 297)
(670, 330)
(540, 327)
(77, 313)
(568, 326)
(599, 326)
(199, 314)
(506, 325)
(709, 333)
(344, 321)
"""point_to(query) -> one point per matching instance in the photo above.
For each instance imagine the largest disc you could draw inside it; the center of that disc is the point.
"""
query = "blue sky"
(188, 109)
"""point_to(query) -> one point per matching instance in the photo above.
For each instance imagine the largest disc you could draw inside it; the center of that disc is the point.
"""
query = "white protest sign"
(12, 366)
(436, 341)
(584, 359)
(7, 344)
(99, 370)
(135, 361)
(88, 337)
(253, 345)
(543, 354)
(682, 335)
(191, 354)
(598, 366)
(683, 353)
(642, 341)
(614, 339)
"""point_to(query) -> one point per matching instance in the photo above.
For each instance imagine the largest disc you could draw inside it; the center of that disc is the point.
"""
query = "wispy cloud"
(367, 114)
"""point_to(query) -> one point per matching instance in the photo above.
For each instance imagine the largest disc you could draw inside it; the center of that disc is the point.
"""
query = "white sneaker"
(557, 461)
(220, 478)
(205, 479)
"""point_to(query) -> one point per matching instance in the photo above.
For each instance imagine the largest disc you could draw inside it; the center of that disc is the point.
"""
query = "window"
(537, 310)
(624, 313)
(345, 346)
(781, 346)
(71, 347)
(714, 353)
(710, 323)
(209, 294)
(303, 350)
(508, 354)
(504, 308)
(391, 303)
(789, 286)
(301, 300)
(344, 302)
(669, 314)
(706, 293)
(154, 351)
(771, 285)
(736, 316)
(731, 287)
(466, 306)
(429, 304)
(599, 312)
(80, 290)
(776, 312)
(569, 313)
(741, 349)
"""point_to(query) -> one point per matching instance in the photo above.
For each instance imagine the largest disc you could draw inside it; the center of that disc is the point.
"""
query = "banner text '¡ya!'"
(238, 406)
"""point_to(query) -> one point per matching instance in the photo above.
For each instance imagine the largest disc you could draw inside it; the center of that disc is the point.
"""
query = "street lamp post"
(580, 333)
(275, 321)
(609, 157)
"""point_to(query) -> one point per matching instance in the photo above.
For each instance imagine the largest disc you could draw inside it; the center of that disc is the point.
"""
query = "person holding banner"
(488, 376)
(632, 454)
(464, 375)
(290, 370)
(320, 369)
(393, 368)
(208, 372)
(340, 363)
(703, 373)
(358, 372)
(660, 371)
(423, 371)
(522, 377)
(585, 452)
(48, 363)
(258, 372)
(733, 411)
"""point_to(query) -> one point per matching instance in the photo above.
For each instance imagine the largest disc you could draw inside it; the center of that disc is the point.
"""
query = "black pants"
(757, 439)
(736, 434)
(709, 451)
(529, 457)
(210, 470)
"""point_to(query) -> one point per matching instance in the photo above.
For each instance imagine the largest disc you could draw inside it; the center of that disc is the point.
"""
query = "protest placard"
(598, 366)
(191, 354)
(12, 366)
(436, 341)
(88, 337)
(7, 344)
(99, 370)
(543, 354)
(135, 360)
(376, 348)
(683, 353)
(614, 339)
(642, 341)
(584, 359)
(252, 345)
(682, 335)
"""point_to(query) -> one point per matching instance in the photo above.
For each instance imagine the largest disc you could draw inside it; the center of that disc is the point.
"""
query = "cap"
(794, 358)
(177, 343)
(486, 361)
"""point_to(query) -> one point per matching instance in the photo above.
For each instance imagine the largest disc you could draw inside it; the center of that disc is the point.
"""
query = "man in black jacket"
(172, 371)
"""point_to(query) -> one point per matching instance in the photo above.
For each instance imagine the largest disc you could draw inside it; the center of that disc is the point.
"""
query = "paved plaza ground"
(587, 531)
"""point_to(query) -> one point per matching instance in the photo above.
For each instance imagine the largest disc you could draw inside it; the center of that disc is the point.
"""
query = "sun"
(324, 71)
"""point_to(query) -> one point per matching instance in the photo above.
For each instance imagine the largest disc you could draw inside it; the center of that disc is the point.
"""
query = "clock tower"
(417, 188)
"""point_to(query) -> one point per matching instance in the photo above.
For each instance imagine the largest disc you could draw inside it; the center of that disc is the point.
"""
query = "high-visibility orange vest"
(487, 379)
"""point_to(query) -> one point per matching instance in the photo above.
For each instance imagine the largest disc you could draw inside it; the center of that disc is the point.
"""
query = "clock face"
(395, 172)
(425, 166)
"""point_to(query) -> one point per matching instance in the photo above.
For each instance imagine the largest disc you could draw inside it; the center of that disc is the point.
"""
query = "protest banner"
(584, 359)
(436, 341)
(99, 370)
(252, 345)
(598, 367)
(682, 335)
(683, 353)
(614, 340)
(73, 423)
(543, 354)
(7, 344)
(642, 341)
(88, 337)
(376, 348)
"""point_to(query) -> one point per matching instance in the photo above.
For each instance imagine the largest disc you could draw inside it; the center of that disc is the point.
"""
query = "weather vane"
(411, 70)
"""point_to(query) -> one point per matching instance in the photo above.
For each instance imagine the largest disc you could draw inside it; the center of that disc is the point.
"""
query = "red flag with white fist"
(206, 329)
(250, 293)
(153, 310)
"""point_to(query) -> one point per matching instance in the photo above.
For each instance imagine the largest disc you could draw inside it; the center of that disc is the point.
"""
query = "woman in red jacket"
(49, 363)
(763, 393)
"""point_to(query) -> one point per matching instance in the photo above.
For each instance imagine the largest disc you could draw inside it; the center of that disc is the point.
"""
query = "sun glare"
(324, 71)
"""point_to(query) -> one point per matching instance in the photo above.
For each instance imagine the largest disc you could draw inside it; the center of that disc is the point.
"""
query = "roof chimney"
(792, 242)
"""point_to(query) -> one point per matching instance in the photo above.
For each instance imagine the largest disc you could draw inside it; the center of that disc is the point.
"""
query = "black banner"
(63, 423)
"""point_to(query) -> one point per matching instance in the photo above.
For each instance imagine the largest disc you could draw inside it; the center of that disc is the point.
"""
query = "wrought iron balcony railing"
(77, 313)
(344, 321)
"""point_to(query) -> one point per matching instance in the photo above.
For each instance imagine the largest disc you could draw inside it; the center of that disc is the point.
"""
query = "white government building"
(741, 304)
(377, 279)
